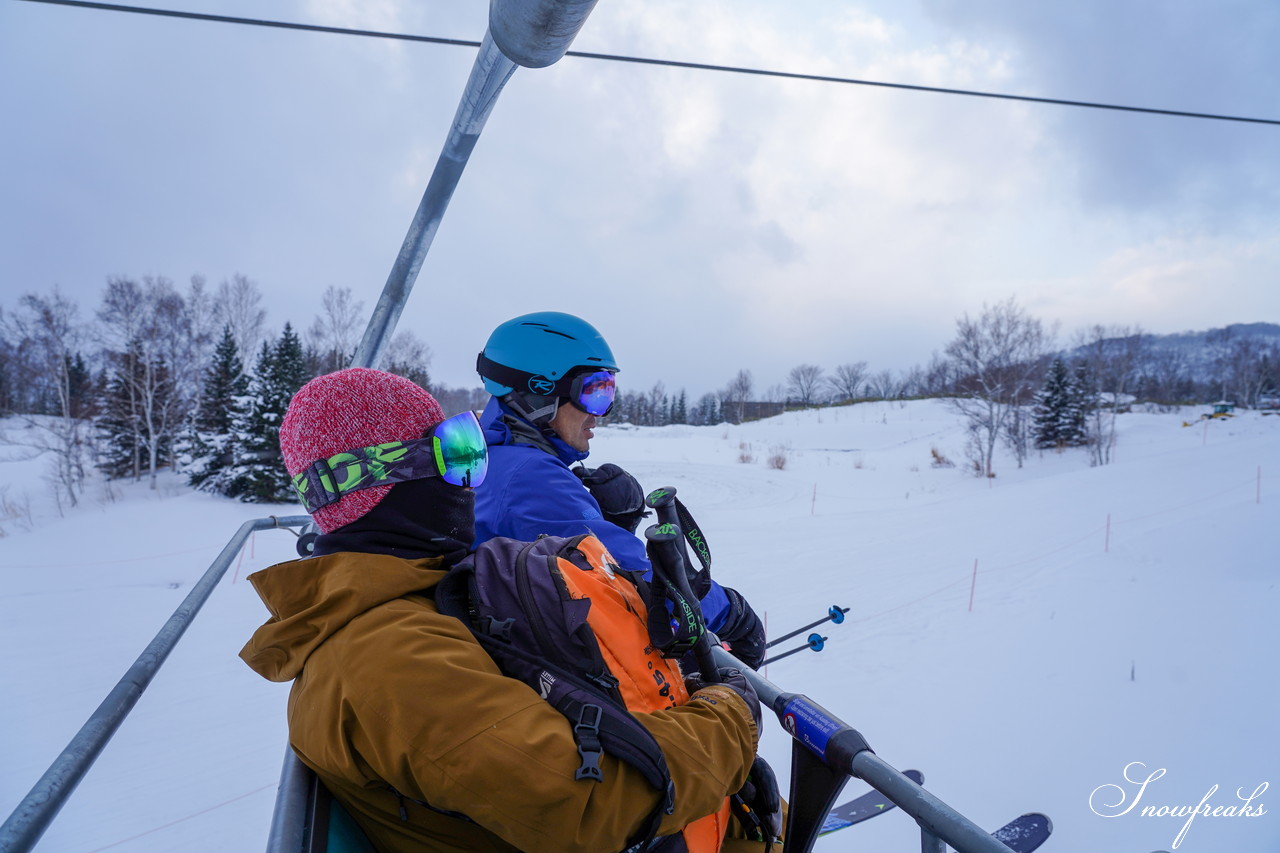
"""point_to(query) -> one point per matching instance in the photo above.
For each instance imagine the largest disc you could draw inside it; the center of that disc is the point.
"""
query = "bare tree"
(150, 341)
(1250, 370)
(456, 400)
(997, 359)
(913, 382)
(1168, 376)
(1112, 357)
(847, 379)
(239, 306)
(190, 343)
(734, 398)
(48, 331)
(803, 383)
(883, 385)
(334, 332)
(939, 377)
(408, 356)
(657, 403)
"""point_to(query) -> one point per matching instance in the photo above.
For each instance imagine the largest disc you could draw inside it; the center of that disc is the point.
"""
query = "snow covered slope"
(1119, 614)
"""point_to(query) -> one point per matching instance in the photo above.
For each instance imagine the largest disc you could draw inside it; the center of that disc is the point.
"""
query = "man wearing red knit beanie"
(397, 708)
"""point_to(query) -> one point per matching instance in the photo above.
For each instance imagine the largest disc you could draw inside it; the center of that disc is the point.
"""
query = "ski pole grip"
(668, 564)
(663, 502)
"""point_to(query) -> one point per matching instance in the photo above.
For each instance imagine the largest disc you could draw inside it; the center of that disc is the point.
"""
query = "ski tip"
(1026, 833)
(1040, 817)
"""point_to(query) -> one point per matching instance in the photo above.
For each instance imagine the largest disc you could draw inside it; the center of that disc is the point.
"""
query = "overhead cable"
(670, 63)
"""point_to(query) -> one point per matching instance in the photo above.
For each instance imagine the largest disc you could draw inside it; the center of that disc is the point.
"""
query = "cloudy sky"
(705, 222)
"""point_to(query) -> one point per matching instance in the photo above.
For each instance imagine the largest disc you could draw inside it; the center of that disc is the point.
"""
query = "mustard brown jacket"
(395, 706)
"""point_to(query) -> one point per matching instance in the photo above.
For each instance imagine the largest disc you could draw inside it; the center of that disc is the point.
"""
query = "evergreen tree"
(259, 475)
(1051, 406)
(80, 387)
(707, 412)
(1083, 396)
(1062, 408)
(207, 447)
(680, 410)
(118, 424)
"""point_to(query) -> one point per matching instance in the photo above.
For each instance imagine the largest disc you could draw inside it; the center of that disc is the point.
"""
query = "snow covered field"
(1119, 614)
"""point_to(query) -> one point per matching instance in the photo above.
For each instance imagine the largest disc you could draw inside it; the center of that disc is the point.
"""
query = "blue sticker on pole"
(809, 724)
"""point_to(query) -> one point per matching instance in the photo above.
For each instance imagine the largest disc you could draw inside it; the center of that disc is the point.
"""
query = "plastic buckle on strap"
(587, 734)
(603, 679)
(500, 630)
(321, 487)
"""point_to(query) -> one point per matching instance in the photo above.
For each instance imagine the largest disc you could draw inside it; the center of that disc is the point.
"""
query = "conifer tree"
(118, 424)
(1083, 403)
(1062, 408)
(208, 446)
(680, 409)
(259, 474)
(1051, 406)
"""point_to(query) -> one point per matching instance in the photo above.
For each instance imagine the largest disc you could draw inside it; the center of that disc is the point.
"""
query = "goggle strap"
(522, 381)
(318, 487)
(517, 379)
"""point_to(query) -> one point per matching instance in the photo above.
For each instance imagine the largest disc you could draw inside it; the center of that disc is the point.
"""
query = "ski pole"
(835, 615)
(670, 563)
(815, 642)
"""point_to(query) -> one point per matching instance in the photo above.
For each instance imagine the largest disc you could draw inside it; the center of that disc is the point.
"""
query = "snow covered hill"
(1119, 614)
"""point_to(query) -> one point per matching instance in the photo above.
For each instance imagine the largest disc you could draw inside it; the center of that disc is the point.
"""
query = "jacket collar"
(503, 427)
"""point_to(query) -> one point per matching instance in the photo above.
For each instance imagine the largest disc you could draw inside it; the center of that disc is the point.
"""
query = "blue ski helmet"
(536, 353)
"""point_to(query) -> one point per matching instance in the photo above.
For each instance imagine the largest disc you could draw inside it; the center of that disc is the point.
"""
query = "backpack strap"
(601, 723)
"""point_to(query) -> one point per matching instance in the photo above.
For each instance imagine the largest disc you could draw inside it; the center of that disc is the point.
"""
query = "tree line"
(1005, 374)
(190, 379)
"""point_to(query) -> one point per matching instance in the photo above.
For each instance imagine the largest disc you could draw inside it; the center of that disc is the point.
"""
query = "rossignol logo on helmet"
(541, 385)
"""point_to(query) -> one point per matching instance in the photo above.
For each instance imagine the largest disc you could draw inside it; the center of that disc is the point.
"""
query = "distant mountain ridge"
(1268, 332)
(1204, 347)
(1241, 361)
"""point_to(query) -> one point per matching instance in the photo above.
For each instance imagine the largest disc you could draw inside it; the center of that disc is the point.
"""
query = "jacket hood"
(311, 600)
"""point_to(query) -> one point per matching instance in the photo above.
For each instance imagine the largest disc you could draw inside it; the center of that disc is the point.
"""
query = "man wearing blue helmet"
(551, 376)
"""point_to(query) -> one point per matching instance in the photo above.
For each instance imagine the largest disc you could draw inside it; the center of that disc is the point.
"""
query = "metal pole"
(931, 813)
(33, 815)
(289, 821)
(489, 74)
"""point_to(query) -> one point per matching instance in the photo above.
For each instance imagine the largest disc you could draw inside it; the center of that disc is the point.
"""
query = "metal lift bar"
(33, 815)
(842, 749)
(490, 73)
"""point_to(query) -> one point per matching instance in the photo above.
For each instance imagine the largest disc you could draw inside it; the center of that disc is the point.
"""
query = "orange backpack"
(561, 616)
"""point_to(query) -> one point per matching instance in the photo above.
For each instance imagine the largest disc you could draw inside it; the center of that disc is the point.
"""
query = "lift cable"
(670, 63)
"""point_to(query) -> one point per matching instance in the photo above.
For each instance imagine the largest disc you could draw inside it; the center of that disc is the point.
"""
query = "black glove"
(759, 804)
(742, 630)
(736, 681)
(620, 497)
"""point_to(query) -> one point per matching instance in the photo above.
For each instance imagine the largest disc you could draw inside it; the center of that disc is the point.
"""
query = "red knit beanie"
(356, 407)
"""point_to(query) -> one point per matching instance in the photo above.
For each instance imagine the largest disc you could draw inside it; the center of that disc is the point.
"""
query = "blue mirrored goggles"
(594, 392)
(453, 449)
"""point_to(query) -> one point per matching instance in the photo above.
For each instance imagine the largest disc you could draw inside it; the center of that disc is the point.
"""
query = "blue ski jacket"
(530, 490)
